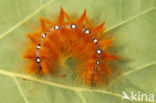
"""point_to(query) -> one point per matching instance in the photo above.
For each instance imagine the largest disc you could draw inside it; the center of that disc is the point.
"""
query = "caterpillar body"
(75, 38)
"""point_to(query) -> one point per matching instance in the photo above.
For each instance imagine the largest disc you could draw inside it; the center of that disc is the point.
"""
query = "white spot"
(44, 35)
(95, 68)
(87, 31)
(57, 27)
(95, 40)
(73, 26)
(38, 60)
(38, 47)
(97, 62)
(99, 51)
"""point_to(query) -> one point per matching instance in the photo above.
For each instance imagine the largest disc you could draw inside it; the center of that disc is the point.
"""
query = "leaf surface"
(132, 22)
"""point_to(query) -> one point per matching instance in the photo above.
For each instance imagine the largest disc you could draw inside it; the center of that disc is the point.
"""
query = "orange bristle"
(82, 18)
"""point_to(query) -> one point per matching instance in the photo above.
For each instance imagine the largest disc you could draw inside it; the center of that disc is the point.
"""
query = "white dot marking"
(87, 31)
(44, 35)
(38, 47)
(73, 26)
(38, 60)
(95, 69)
(99, 51)
(56, 27)
(97, 62)
(95, 40)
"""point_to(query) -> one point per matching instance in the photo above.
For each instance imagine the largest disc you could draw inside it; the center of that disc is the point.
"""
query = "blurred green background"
(132, 21)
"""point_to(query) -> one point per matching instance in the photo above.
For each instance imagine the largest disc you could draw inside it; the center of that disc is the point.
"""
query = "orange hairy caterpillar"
(76, 39)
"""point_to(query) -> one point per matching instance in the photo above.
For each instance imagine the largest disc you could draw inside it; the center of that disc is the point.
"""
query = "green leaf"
(133, 25)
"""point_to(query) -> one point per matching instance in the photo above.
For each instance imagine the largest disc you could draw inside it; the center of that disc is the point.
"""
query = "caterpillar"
(78, 39)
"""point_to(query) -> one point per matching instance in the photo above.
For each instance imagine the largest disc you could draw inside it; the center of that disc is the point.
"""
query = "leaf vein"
(27, 77)
(25, 19)
(129, 19)
(82, 97)
(132, 71)
(20, 89)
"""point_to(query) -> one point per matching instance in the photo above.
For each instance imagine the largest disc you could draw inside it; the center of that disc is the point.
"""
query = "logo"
(138, 96)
